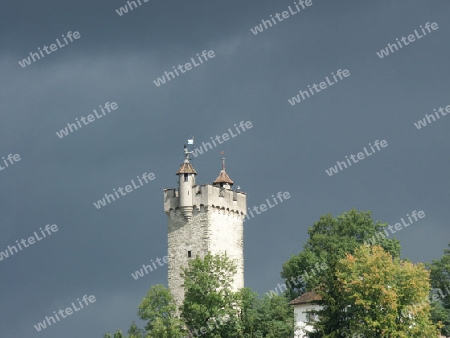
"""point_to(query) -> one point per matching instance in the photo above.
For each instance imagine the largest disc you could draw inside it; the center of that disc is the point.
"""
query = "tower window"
(185, 177)
(189, 254)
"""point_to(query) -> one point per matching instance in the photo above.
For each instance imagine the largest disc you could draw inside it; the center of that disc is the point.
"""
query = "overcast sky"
(117, 58)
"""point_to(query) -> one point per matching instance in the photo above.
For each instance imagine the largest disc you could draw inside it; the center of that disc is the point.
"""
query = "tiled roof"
(223, 178)
(307, 297)
(186, 168)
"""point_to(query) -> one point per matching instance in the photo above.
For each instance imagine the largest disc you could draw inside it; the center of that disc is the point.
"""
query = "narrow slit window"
(189, 254)
(185, 177)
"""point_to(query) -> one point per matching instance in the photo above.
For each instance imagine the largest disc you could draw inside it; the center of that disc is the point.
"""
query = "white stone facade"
(216, 225)
(301, 318)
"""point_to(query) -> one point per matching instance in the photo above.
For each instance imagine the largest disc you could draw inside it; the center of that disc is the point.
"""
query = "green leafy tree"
(440, 282)
(277, 317)
(249, 315)
(210, 306)
(159, 310)
(441, 316)
(266, 317)
(381, 296)
(330, 239)
(117, 334)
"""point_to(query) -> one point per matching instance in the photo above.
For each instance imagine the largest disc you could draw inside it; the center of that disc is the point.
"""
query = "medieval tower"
(202, 218)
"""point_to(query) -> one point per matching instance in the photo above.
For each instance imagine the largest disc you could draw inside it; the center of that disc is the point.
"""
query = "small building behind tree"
(303, 306)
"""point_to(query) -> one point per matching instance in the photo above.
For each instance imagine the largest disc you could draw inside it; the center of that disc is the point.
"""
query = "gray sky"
(251, 78)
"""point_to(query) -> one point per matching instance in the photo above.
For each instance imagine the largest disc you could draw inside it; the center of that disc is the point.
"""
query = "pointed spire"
(223, 178)
(223, 163)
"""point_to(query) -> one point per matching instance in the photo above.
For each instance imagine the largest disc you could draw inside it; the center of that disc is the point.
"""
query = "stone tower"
(202, 218)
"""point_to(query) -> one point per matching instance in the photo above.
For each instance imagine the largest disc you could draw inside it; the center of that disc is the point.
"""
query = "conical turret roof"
(223, 176)
(186, 168)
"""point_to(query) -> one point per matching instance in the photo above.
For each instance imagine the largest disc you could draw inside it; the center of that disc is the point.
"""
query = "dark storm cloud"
(250, 79)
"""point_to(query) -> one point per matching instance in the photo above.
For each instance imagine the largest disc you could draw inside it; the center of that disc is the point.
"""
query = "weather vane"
(186, 150)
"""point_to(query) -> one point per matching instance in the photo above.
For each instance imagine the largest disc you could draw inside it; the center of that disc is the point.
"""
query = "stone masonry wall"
(216, 226)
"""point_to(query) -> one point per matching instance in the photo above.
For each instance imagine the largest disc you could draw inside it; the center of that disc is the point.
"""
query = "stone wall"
(216, 226)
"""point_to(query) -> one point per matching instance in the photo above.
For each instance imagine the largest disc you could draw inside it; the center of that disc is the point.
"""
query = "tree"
(159, 310)
(440, 282)
(135, 332)
(211, 308)
(117, 334)
(330, 239)
(270, 317)
(381, 296)
(277, 317)
(209, 301)
(441, 316)
(249, 315)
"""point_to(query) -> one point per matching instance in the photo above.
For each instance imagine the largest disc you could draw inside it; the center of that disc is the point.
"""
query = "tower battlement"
(207, 195)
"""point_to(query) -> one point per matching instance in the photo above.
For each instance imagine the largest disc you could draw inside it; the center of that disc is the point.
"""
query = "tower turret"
(186, 179)
(223, 180)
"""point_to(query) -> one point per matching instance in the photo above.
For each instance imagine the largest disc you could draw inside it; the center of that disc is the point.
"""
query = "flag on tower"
(221, 153)
(191, 141)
